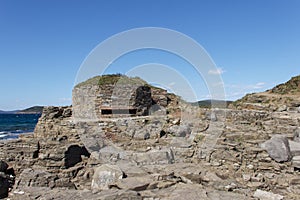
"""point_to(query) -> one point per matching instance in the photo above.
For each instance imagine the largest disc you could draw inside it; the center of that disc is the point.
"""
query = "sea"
(12, 125)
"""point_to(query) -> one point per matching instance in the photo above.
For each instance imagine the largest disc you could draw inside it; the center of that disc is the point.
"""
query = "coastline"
(14, 125)
(28, 113)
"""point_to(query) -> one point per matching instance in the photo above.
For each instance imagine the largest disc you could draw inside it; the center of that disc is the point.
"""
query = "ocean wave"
(4, 135)
(12, 125)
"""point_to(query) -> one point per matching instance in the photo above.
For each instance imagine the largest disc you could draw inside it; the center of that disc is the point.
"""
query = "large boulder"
(105, 175)
(3, 166)
(278, 148)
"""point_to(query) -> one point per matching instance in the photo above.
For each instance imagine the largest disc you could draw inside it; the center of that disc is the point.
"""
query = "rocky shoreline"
(228, 153)
(54, 163)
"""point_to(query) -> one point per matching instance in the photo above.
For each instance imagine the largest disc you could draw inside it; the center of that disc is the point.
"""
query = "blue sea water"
(11, 125)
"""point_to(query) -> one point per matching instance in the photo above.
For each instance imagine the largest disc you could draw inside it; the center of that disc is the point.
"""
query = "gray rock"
(34, 178)
(61, 193)
(141, 134)
(295, 181)
(297, 135)
(131, 169)
(179, 131)
(213, 117)
(282, 108)
(195, 191)
(111, 154)
(135, 183)
(184, 191)
(278, 148)
(224, 195)
(263, 195)
(179, 142)
(294, 148)
(164, 156)
(106, 175)
(296, 162)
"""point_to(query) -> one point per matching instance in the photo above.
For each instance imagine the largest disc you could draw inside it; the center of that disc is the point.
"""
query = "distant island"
(31, 110)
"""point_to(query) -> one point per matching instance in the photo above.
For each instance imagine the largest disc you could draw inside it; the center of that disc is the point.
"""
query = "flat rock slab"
(28, 193)
(153, 157)
(296, 162)
(184, 191)
(294, 148)
(195, 192)
(135, 183)
(34, 178)
(131, 169)
(263, 195)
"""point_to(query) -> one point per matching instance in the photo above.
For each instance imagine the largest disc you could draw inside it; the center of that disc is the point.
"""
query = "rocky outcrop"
(165, 165)
(290, 87)
(196, 154)
(282, 98)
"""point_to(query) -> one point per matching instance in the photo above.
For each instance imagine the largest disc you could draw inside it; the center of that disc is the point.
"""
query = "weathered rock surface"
(106, 175)
(60, 158)
(296, 162)
(282, 98)
(297, 135)
(278, 148)
(263, 195)
(294, 148)
(204, 155)
(179, 131)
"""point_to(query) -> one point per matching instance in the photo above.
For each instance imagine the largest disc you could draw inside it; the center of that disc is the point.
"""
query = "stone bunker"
(115, 96)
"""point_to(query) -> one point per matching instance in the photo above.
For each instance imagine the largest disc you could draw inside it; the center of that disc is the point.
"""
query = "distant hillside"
(283, 97)
(290, 87)
(208, 103)
(8, 112)
(34, 109)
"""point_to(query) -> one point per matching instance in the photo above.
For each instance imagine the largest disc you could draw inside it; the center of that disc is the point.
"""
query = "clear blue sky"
(256, 44)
